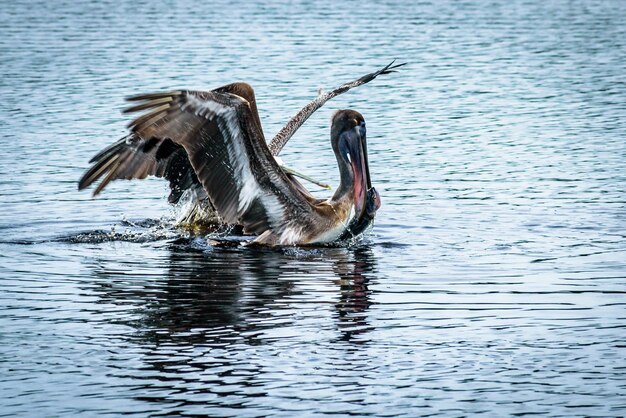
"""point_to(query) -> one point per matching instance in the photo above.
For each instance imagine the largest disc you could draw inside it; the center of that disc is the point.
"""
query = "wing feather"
(135, 158)
(211, 142)
(228, 153)
(282, 137)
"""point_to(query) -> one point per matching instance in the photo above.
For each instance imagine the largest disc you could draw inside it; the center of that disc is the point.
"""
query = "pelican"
(210, 144)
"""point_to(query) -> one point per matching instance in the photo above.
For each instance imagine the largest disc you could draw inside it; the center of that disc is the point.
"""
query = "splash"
(139, 231)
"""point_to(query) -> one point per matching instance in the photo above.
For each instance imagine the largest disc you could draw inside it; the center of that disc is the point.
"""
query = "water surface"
(492, 283)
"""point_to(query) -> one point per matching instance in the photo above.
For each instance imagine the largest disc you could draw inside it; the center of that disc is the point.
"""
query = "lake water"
(493, 282)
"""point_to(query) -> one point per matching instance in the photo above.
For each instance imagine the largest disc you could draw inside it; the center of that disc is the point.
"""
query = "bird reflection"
(236, 294)
(199, 297)
(354, 294)
(198, 317)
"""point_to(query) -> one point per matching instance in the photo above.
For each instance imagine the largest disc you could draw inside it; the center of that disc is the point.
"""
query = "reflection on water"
(354, 276)
(235, 290)
(492, 283)
(193, 323)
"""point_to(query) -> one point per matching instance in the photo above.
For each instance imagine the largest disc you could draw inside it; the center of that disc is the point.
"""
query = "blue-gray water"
(493, 281)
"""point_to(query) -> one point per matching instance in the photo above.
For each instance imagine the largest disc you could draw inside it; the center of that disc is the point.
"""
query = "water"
(493, 281)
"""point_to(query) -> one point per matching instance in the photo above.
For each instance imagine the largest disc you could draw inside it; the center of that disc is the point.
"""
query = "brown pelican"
(211, 144)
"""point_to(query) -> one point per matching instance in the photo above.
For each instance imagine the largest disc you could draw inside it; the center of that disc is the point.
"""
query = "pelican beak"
(354, 146)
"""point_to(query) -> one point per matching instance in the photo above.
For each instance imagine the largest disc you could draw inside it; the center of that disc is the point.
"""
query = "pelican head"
(348, 138)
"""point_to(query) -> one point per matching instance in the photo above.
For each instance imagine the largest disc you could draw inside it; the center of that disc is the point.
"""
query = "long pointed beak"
(372, 203)
(357, 152)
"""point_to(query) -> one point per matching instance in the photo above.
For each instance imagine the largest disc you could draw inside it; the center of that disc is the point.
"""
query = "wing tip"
(390, 68)
(153, 96)
(150, 104)
(101, 167)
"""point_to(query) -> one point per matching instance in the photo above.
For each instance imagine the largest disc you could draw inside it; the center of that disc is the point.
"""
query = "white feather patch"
(202, 107)
(239, 160)
(331, 235)
(291, 235)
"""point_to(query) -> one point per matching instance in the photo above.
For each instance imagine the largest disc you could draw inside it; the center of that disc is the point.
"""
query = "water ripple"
(493, 282)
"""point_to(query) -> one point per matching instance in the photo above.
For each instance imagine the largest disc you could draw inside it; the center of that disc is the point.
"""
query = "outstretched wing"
(133, 157)
(228, 153)
(281, 138)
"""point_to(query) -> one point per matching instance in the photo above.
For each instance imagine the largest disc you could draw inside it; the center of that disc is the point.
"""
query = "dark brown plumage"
(212, 143)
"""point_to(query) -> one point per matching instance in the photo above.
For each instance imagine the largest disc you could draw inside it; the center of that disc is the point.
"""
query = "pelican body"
(210, 144)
